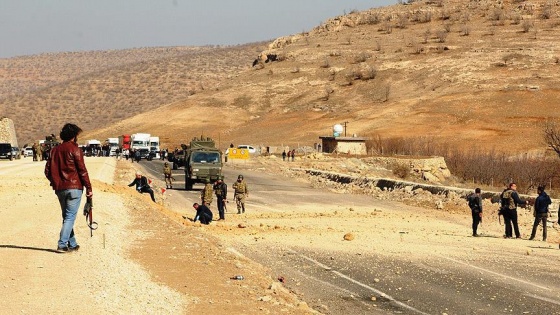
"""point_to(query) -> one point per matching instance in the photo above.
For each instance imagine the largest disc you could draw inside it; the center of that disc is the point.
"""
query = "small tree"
(552, 136)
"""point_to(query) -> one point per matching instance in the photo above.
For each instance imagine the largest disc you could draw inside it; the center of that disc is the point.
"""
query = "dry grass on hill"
(453, 71)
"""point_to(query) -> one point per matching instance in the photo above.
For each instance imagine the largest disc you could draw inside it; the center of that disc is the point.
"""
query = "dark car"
(6, 151)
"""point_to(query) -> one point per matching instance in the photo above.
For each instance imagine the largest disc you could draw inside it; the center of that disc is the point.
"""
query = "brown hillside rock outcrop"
(8, 131)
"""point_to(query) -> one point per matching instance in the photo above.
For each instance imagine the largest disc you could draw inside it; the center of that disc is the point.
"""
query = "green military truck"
(202, 161)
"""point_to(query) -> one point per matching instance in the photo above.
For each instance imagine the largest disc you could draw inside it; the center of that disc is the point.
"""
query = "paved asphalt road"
(496, 282)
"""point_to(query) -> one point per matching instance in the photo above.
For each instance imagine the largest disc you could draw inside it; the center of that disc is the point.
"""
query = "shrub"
(401, 170)
(526, 26)
(441, 36)
(465, 30)
(324, 63)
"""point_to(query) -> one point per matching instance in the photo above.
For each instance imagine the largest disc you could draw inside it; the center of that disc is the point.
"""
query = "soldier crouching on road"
(241, 192)
(203, 214)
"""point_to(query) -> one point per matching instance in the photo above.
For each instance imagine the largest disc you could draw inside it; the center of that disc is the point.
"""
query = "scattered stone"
(349, 237)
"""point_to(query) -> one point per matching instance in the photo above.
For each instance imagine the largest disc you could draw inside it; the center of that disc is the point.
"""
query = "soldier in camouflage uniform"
(241, 192)
(168, 176)
(206, 194)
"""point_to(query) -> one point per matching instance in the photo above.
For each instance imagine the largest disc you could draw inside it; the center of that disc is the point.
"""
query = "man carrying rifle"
(510, 200)
(67, 173)
(475, 203)
(220, 189)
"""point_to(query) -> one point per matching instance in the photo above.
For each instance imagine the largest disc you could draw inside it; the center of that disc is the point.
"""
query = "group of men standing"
(509, 201)
(219, 189)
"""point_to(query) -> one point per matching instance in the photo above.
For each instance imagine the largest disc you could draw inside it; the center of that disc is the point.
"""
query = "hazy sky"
(30, 27)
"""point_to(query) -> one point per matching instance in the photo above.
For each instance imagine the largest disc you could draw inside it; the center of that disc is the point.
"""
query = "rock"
(348, 237)
(427, 176)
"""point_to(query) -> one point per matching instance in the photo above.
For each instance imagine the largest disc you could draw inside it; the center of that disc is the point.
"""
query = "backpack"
(507, 200)
(473, 202)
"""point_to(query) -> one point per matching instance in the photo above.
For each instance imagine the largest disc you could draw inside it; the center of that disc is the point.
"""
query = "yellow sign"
(242, 154)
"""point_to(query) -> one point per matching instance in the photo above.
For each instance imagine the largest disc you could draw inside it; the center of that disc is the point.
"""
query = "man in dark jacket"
(475, 203)
(540, 212)
(220, 189)
(510, 200)
(203, 214)
(68, 175)
(142, 185)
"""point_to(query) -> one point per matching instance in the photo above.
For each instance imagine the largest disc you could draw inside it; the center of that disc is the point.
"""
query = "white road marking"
(380, 293)
(498, 274)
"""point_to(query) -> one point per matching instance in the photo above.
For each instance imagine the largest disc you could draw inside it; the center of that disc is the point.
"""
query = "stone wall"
(8, 131)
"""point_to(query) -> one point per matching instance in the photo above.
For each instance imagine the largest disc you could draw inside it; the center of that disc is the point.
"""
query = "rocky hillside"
(99, 88)
(447, 72)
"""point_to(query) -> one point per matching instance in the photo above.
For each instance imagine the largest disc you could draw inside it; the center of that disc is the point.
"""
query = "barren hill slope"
(449, 71)
(453, 71)
(99, 88)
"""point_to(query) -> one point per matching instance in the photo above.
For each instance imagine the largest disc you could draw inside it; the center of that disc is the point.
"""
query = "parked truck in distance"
(124, 142)
(113, 144)
(154, 147)
(202, 161)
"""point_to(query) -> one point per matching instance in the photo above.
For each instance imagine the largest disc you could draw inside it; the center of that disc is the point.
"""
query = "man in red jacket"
(67, 173)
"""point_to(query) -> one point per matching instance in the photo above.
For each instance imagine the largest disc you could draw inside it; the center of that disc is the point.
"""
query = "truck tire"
(188, 184)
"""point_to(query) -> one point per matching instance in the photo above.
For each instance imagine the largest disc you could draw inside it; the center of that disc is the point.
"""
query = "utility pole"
(345, 127)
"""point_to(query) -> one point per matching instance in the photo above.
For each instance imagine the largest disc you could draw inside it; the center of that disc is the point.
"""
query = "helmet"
(240, 177)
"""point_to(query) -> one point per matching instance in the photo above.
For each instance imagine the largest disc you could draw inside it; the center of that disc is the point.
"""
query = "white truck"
(113, 145)
(141, 142)
(93, 147)
(154, 146)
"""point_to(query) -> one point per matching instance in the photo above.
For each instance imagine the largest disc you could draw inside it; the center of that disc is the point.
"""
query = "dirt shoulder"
(138, 261)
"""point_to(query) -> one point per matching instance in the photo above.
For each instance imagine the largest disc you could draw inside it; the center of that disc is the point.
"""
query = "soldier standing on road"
(510, 200)
(284, 155)
(68, 176)
(541, 212)
(35, 152)
(475, 203)
(168, 176)
(220, 189)
(206, 194)
(39, 152)
(241, 192)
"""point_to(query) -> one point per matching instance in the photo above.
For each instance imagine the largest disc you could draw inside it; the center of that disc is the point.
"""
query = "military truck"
(202, 161)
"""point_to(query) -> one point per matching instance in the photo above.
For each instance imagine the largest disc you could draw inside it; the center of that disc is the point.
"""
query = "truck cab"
(203, 161)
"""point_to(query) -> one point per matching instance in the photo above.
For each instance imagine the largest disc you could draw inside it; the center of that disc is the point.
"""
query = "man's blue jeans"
(69, 203)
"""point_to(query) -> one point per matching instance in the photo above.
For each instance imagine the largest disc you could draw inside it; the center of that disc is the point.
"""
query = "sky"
(29, 27)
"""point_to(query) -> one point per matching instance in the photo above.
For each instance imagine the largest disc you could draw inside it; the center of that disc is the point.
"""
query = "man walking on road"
(220, 189)
(540, 212)
(510, 200)
(241, 192)
(475, 203)
(68, 175)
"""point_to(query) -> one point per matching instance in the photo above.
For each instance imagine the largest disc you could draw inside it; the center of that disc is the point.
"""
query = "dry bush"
(359, 58)
(332, 75)
(516, 19)
(402, 21)
(497, 15)
(377, 46)
(444, 15)
(441, 36)
(526, 26)
(386, 27)
(447, 27)
(465, 30)
(426, 35)
(335, 53)
(372, 18)
(401, 170)
(547, 12)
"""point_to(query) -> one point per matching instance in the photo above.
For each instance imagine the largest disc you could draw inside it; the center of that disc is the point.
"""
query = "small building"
(344, 145)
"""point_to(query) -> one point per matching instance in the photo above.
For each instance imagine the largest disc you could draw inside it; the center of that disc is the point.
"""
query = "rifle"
(88, 213)
(225, 205)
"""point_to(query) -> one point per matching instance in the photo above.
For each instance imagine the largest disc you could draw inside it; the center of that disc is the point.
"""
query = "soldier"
(510, 200)
(39, 152)
(475, 203)
(220, 189)
(206, 194)
(167, 175)
(241, 192)
(35, 150)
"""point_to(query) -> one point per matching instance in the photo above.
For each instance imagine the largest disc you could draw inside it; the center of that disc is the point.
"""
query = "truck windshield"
(206, 157)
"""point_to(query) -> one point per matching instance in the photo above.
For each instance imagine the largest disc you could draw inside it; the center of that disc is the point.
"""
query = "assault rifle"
(88, 213)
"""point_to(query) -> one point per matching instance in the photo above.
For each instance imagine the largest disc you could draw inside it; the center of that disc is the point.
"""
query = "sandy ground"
(138, 261)
(145, 258)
